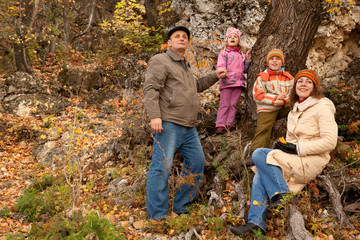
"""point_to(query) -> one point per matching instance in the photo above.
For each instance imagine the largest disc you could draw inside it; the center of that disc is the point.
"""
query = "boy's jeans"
(174, 138)
(267, 182)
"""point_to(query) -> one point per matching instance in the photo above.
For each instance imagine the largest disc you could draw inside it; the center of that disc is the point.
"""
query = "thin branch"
(90, 21)
(340, 169)
(12, 26)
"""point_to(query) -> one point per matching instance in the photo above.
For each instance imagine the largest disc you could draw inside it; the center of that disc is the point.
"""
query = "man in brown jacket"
(172, 102)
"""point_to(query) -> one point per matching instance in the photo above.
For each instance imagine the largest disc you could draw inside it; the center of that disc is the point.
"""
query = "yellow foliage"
(128, 24)
(282, 140)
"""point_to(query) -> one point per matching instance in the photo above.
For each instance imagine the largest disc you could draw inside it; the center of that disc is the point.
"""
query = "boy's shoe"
(220, 130)
(245, 229)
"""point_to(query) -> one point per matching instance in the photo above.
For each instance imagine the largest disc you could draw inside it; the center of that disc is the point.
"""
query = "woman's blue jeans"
(267, 182)
(174, 138)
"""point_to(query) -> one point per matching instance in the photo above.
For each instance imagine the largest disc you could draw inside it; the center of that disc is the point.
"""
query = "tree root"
(190, 233)
(242, 200)
(297, 228)
(335, 200)
(215, 199)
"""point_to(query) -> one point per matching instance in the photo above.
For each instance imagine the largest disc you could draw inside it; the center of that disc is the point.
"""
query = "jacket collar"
(173, 55)
(271, 72)
(309, 102)
(231, 49)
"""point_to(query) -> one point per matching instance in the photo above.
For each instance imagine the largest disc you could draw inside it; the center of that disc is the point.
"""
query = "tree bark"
(22, 59)
(151, 13)
(290, 25)
(23, 26)
(297, 228)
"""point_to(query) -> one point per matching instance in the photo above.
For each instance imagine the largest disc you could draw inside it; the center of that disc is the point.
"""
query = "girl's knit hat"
(309, 74)
(273, 53)
(232, 31)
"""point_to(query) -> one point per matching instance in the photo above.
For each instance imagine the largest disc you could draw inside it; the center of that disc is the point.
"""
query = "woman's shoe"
(246, 229)
(278, 201)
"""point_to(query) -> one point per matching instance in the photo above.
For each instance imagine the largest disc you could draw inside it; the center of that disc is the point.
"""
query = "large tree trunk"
(290, 25)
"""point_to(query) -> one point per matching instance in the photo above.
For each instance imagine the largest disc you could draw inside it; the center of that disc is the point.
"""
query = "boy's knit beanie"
(278, 53)
(309, 74)
(232, 31)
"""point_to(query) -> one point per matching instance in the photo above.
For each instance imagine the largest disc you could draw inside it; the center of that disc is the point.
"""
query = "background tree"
(23, 23)
(289, 25)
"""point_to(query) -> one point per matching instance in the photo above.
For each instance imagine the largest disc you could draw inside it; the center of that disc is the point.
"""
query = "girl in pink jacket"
(236, 64)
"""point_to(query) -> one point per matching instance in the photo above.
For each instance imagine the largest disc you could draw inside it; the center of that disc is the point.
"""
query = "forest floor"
(18, 169)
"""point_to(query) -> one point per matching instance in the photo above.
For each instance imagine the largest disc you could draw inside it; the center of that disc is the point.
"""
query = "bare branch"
(90, 21)
(34, 13)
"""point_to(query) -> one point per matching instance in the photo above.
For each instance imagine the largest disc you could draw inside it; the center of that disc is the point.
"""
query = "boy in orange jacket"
(271, 93)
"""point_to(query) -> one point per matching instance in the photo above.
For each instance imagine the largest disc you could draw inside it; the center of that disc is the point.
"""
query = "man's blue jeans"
(174, 138)
(267, 182)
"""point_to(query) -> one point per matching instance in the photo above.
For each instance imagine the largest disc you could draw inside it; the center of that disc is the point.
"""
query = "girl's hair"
(317, 92)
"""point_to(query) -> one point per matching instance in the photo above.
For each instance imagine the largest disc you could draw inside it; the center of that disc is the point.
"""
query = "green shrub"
(182, 223)
(216, 224)
(43, 199)
(79, 227)
(4, 212)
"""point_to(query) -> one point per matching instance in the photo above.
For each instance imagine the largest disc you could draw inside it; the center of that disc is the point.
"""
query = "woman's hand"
(286, 147)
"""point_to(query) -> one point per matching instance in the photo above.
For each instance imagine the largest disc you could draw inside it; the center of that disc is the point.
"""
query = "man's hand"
(221, 73)
(286, 147)
(156, 125)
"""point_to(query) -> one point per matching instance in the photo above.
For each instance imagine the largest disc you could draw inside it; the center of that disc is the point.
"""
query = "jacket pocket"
(270, 87)
(230, 79)
(285, 87)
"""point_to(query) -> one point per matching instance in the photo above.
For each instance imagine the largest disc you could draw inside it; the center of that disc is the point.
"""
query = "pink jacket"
(235, 65)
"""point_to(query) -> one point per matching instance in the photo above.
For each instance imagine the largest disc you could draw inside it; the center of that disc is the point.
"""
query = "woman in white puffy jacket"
(311, 135)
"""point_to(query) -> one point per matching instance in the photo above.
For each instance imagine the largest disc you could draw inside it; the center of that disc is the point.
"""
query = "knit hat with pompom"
(233, 31)
(277, 53)
(309, 74)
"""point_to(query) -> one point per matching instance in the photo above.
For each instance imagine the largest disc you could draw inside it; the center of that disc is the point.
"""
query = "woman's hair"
(317, 92)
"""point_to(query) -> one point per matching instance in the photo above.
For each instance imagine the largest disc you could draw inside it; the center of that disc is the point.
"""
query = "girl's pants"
(229, 98)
